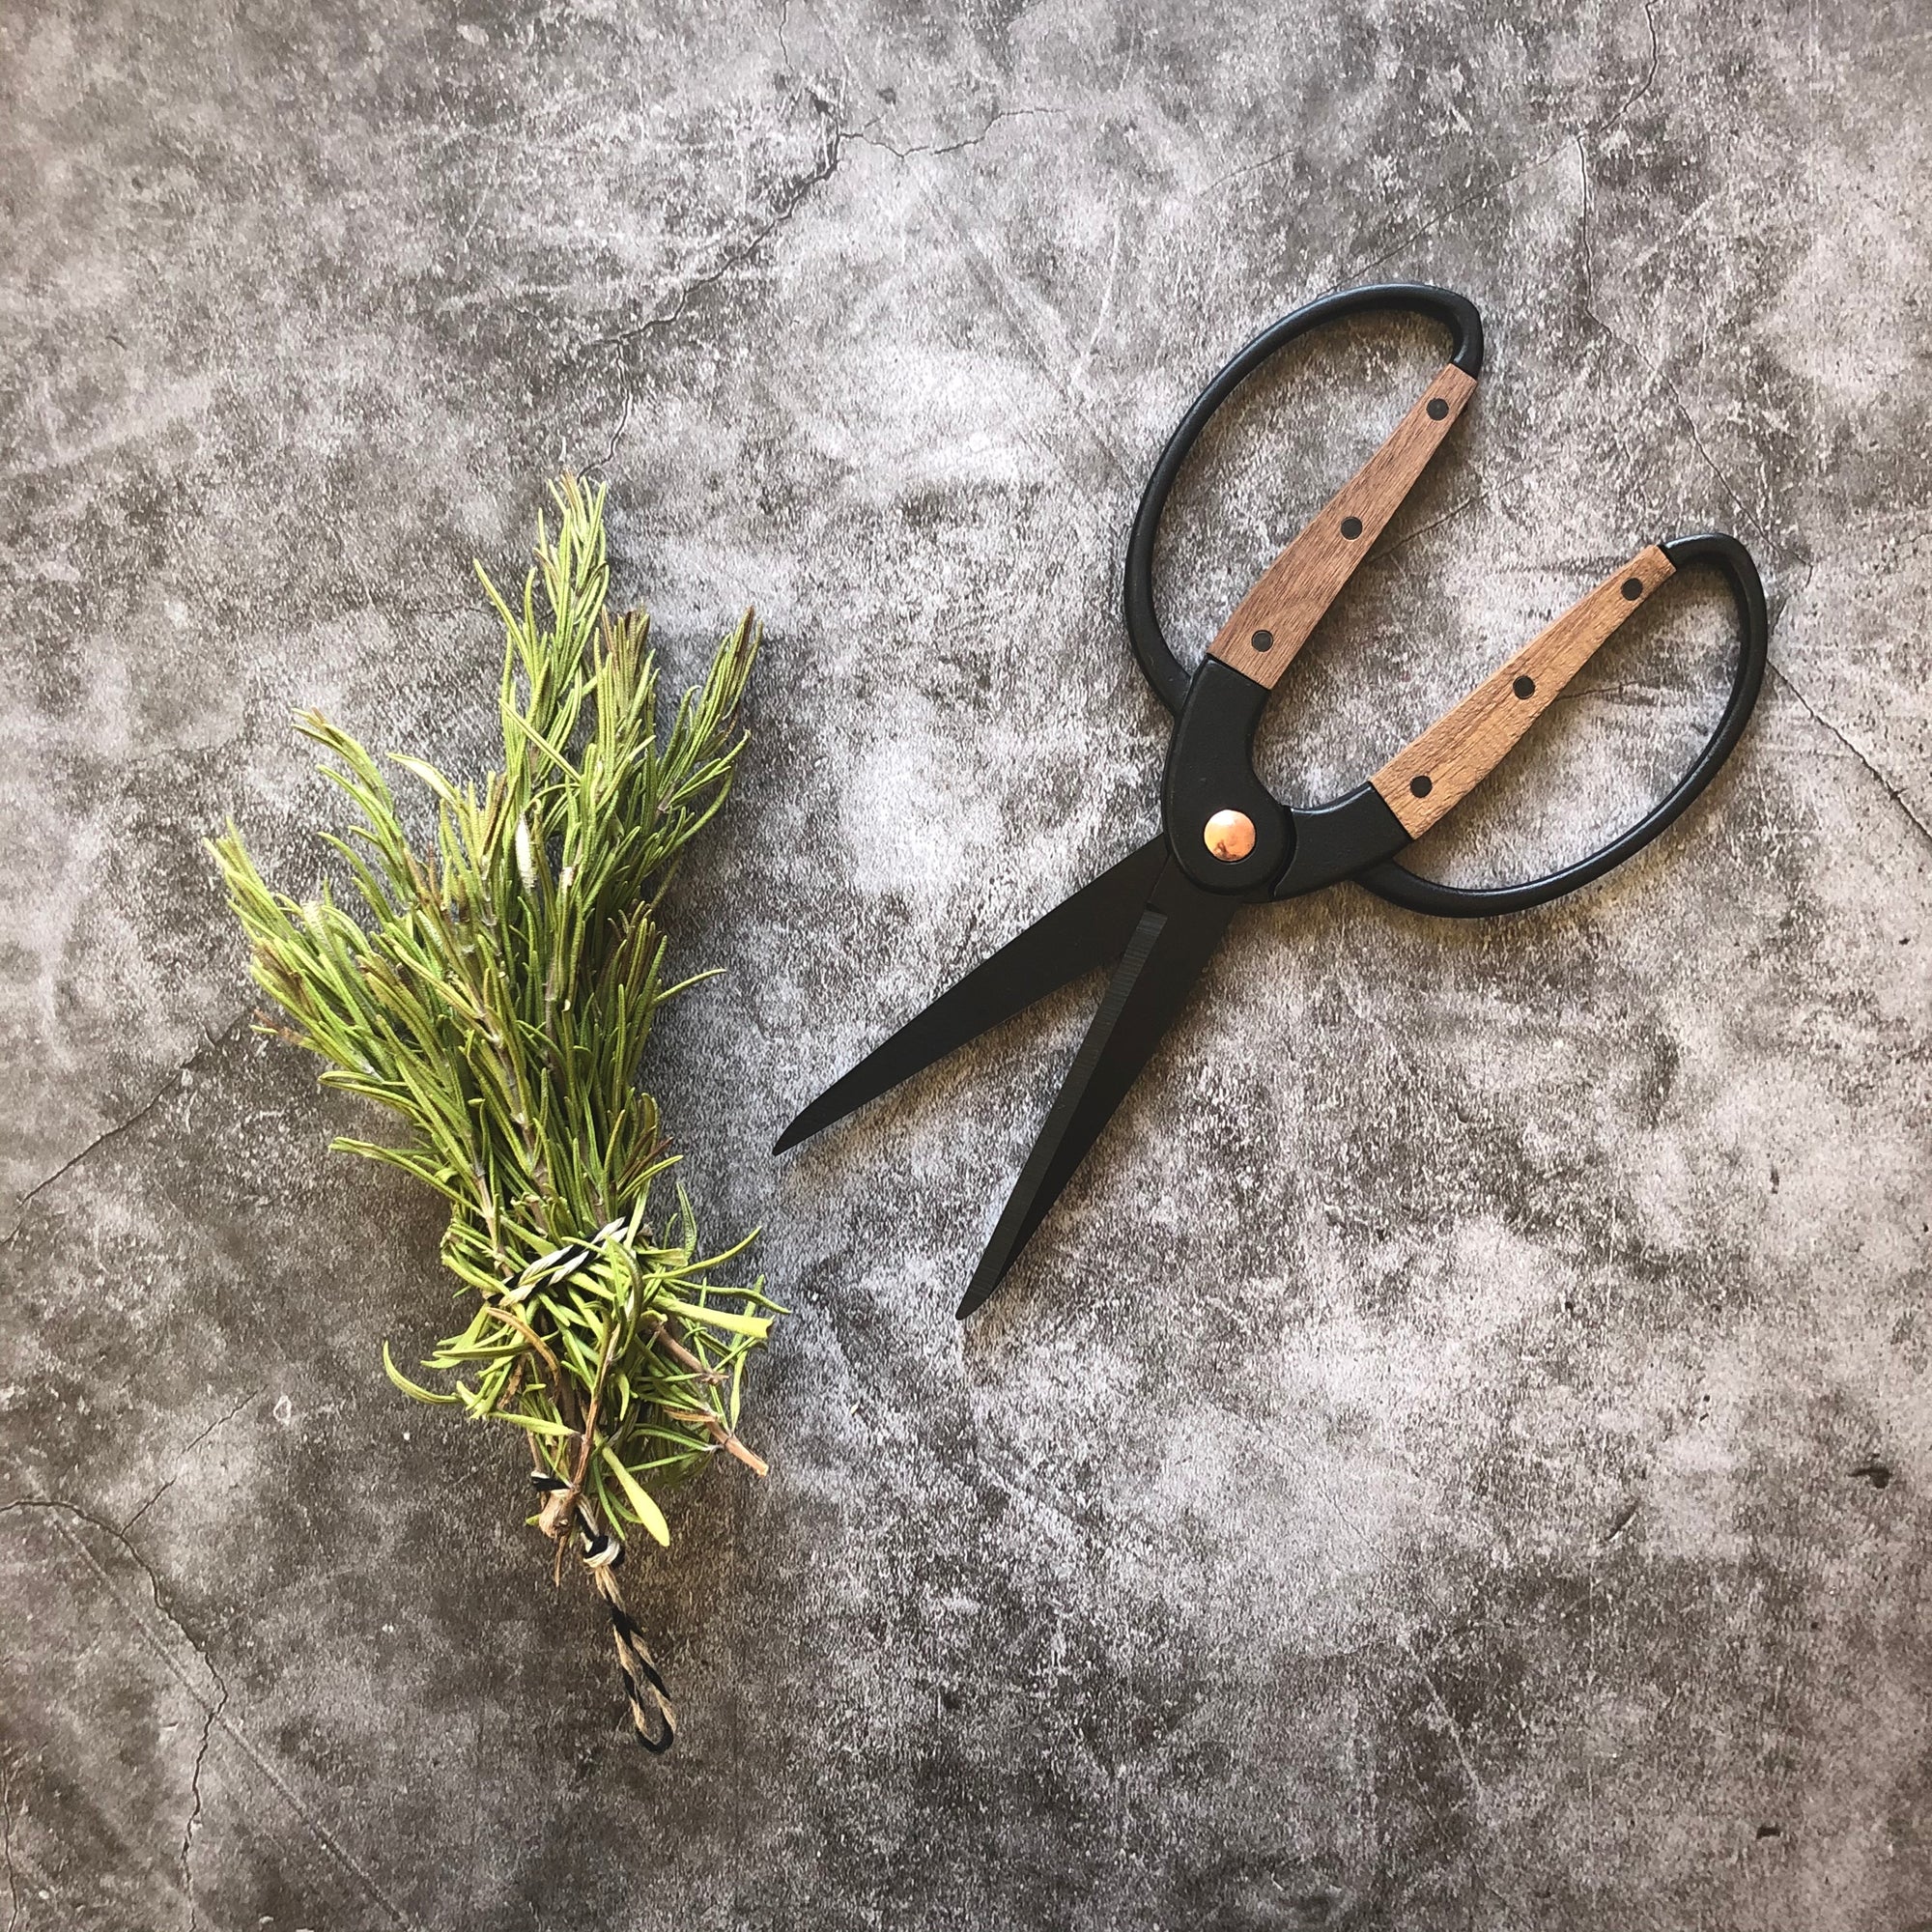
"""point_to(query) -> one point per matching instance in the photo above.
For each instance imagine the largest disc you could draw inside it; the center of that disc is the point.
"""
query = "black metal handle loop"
(1400, 887)
(1456, 313)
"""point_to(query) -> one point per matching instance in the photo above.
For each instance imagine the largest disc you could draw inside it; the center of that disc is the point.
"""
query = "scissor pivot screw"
(1230, 836)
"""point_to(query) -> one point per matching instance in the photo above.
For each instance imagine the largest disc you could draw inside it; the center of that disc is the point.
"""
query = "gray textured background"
(1460, 1456)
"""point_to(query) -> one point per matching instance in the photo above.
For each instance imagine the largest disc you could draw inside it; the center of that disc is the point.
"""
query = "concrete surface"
(1459, 1457)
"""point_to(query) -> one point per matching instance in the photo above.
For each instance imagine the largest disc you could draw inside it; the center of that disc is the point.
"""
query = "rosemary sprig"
(496, 992)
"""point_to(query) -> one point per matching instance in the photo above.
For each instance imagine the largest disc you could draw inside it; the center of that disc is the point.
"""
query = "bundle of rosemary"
(496, 991)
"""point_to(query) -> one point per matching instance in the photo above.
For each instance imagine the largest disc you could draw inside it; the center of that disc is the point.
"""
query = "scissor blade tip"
(980, 1292)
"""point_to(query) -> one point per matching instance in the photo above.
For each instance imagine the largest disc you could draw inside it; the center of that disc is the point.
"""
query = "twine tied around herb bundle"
(566, 1511)
(601, 1551)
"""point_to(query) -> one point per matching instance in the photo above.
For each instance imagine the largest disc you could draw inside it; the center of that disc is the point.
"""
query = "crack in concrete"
(1583, 231)
(1357, 271)
(210, 1710)
(1247, 168)
(6, 1850)
(830, 153)
(58, 1506)
(99, 1141)
(1650, 79)
(210, 1716)
(1383, 552)
(214, 1710)
(1650, 694)
(147, 1505)
(209, 1044)
(990, 276)
(838, 137)
(1818, 717)
(1777, 670)
(220, 1421)
(871, 140)
(1696, 435)
(603, 461)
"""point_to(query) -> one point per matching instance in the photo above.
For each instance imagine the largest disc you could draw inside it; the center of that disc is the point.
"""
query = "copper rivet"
(1230, 835)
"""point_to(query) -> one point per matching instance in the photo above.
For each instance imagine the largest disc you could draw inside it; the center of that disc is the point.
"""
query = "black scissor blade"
(1172, 940)
(1079, 934)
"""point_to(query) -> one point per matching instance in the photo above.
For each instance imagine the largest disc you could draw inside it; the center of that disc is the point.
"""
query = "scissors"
(1155, 918)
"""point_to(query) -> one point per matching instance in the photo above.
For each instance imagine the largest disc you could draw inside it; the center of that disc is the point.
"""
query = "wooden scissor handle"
(1435, 772)
(1401, 460)
(1273, 620)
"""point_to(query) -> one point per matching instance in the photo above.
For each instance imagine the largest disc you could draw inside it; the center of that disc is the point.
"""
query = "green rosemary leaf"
(534, 1425)
(422, 769)
(407, 1388)
(643, 1507)
(756, 1327)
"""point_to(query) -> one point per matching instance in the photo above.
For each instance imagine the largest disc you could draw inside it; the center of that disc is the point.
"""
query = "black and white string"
(601, 1551)
(656, 1721)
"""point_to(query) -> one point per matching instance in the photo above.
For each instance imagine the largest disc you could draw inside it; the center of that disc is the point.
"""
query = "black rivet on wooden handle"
(1633, 587)
(1437, 409)
(1524, 687)
(1351, 526)
(1261, 640)
(1421, 784)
